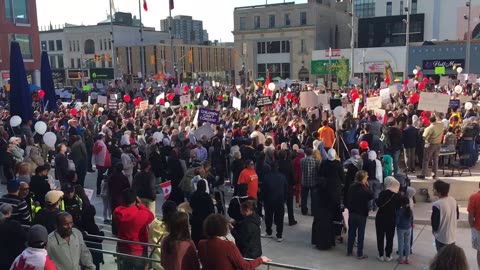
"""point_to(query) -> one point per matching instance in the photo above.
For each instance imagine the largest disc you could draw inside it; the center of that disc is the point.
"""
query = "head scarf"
(392, 184)
(372, 155)
(332, 154)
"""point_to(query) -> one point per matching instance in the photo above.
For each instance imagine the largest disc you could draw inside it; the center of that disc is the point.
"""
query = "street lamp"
(407, 39)
(469, 37)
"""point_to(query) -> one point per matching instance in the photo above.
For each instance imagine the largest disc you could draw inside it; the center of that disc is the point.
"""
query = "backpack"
(186, 183)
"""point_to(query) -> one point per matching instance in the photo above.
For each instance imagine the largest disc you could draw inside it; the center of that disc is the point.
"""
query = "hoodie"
(132, 225)
(356, 161)
(372, 155)
(34, 259)
(387, 165)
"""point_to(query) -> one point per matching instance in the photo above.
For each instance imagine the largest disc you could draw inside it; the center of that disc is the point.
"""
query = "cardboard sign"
(374, 103)
(472, 78)
(143, 105)
(356, 107)
(315, 112)
(385, 95)
(237, 103)
(464, 99)
(433, 102)
(393, 89)
(264, 101)
(443, 81)
(208, 116)
(309, 99)
(205, 130)
(184, 100)
(323, 98)
(102, 99)
(335, 86)
(112, 104)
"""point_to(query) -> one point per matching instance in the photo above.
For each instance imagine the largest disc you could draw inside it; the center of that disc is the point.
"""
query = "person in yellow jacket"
(158, 230)
(455, 118)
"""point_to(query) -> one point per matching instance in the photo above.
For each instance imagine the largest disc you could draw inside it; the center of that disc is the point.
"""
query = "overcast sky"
(217, 15)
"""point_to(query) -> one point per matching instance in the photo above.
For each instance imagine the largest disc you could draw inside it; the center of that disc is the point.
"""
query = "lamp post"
(469, 38)
(407, 39)
(352, 44)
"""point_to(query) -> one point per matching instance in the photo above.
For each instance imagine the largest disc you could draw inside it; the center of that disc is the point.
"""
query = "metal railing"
(269, 265)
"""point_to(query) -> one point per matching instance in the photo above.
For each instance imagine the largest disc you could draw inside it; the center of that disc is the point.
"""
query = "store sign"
(335, 52)
(102, 73)
(447, 63)
(321, 67)
(75, 74)
(6, 75)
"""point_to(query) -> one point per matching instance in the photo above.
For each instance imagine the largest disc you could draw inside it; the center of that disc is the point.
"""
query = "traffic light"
(190, 56)
(107, 57)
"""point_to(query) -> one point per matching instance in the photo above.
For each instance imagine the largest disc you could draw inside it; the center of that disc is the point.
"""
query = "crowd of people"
(270, 157)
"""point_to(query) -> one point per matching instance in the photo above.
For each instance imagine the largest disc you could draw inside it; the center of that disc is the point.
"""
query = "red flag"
(171, 5)
(167, 189)
(145, 7)
(267, 80)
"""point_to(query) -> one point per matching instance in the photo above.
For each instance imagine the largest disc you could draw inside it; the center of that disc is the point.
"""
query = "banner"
(237, 103)
(184, 100)
(454, 103)
(309, 99)
(264, 101)
(205, 130)
(208, 116)
(434, 102)
(385, 95)
(112, 104)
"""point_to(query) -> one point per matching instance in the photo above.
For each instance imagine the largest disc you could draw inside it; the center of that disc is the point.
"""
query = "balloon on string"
(41, 93)
(468, 105)
(127, 98)
(167, 104)
(170, 96)
(415, 71)
(161, 101)
(459, 70)
(387, 80)
(271, 86)
(414, 98)
(458, 89)
(198, 89)
(73, 111)
(40, 127)
(421, 86)
(15, 121)
(405, 82)
(186, 88)
(50, 139)
(136, 102)
(205, 103)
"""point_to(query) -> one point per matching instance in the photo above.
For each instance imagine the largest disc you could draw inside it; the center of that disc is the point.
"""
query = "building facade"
(185, 28)
(279, 38)
(18, 21)
(191, 61)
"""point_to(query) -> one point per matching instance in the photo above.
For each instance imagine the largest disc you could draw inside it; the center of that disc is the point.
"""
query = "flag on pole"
(167, 189)
(171, 5)
(145, 7)
(419, 73)
(267, 91)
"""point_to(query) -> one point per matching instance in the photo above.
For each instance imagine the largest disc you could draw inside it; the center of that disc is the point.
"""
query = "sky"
(217, 15)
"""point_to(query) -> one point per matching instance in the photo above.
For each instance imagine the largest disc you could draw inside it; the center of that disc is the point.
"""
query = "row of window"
(281, 70)
(51, 45)
(25, 42)
(272, 21)
(56, 61)
(266, 47)
(413, 8)
(16, 11)
(77, 63)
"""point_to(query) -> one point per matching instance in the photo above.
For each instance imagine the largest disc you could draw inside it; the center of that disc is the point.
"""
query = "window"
(261, 48)
(103, 60)
(16, 11)
(72, 63)
(44, 45)
(273, 47)
(59, 45)
(243, 23)
(285, 70)
(70, 45)
(109, 44)
(25, 42)
(53, 62)
(90, 46)
(101, 45)
(287, 19)
(401, 7)
(271, 21)
(285, 46)
(244, 48)
(79, 65)
(51, 45)
(364, 8)
(256, 22)
(78, 46)
(303, 18)
(303, 46)
(389, 9)
(105, 44)
(60, 61)
(414, 7)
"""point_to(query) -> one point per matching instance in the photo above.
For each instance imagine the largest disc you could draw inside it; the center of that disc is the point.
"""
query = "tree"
(342, 70)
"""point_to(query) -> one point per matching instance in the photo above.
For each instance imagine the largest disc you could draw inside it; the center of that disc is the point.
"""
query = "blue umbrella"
(47, 83)
(20, 97)
(34, 87)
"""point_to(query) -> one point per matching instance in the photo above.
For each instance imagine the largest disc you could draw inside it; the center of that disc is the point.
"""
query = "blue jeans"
(403, 237)
(356, 227)
(395, 155)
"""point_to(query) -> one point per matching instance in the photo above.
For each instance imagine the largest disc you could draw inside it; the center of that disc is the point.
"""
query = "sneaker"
(279, 239)
(380, 258)
(400, 261)
(407, 262)
(291, 223)
(266, 235)
(388, 259)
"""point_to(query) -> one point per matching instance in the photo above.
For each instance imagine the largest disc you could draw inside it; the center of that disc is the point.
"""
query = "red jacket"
(297, 169)
(132, 225)
(223, 255)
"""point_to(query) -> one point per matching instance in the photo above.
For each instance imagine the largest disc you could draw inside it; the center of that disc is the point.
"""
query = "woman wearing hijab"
(328, 215)
(202, 207)
(353, 165)
(388, 203)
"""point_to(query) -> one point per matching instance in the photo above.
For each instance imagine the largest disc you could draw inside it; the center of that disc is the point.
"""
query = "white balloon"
(167, 104)
(458, 89)
(40, 127)
(415, 71)
(468, 105)
(50, 139)
(157, 137)
(459, 70)
(445, 123)
(15, 121)
(339, 112)
(78, 106)
(271, 86)
(205, 103)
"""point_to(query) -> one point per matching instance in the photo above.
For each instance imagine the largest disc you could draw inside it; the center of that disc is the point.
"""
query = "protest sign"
(463, 99)
(102, 99)
(394, 88)
(472, 78)
(209, 116)
(385, 95)
(335, 86)
(315, 112)
(113, 104)
(309, 99)
(443, 81)
(113, 96)
(143, 105)
(383, 85)
(433, 102)
(374, 103)
(94, 95)
(454, 103)
(263, 101)
(237, 103)
(184, 100)
(323, 99)
(205, 130)
(356, 107)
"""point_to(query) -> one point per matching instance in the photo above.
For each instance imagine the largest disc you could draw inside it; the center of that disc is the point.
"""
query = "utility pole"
(363, 73)
(170, 30)
(407, 40)
(114, 56)
(352, 44)
(330, 68)
(469, 38)
(142, 52)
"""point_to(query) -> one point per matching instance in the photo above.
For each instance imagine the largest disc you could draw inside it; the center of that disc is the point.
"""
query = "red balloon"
(220, 98)
(198, 89)
(161, 101)
(387, 80)
(363, 145)
(170, 96)
(421, 86)
(136, 102)
(41, 93)
(414, 98)
(139, 99)
(186, 88)
(73, 111)
(425, 80)
(406, 81)
(127, 98)
(354, 96)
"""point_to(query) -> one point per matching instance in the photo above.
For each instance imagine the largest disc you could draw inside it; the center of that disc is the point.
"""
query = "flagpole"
(142, 58)
(170, 29)
(114, 57)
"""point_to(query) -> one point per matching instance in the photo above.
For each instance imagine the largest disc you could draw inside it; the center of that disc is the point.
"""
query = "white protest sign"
(394, 88)
(383, 85)
(184, 100)
(462, 78)
(204, 130)
(434, 102)
(356, 107)
(102, 99)
(308, 99)
(143, 105)
(315, 112)
(411, 84)
(323, 99)
(374, 103)
(472, 78)
(385, 95)
(443, 81)
(464, 99)
(237, 103)
(335, 86)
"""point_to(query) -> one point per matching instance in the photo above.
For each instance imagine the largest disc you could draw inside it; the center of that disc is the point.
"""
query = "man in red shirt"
(249, 177)
(132, 221)
(474, 221)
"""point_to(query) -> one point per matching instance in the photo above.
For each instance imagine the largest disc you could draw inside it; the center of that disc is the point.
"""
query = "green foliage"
(343, 71)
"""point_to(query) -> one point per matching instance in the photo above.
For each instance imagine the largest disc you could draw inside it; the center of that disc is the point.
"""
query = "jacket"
(12, 242)
(388, 203)
(409, 138)
(274, 188)
(286, 168)
(39, 186)
(144, 185)
(34, 259)
(133, 226)
(157, 230)
(47, 218)
(183, 256)
(358, 198)
(247, 237)
(393, 138)
(218, 254)
(101, 155)
(78, 152)
(61, 167)
(117, 183)
(69, 256)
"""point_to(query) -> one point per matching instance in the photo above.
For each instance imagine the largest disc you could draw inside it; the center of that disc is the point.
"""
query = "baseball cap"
(53, 196)
(13, 185)
(68, 188)
(37, 236)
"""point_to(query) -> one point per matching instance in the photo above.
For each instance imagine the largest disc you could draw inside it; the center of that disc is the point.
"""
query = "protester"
(39, 184)
(247, 231)
(12, 237)
(474, 221)
(451, 257)
(47, 216)
(101, 157)
(61, 164)
(444, 215)
(249, 177)
(35, 255)
(404, 223)
(310, 168)
(202, 207)
(275, 195)
(20, 207)
(144, 185)
(433, 138)
(157, 231)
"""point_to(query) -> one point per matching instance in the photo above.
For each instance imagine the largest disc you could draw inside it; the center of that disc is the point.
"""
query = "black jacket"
(144, 185)
(286, 168)
(410, 136)
(47, 218)
(12, 242)
(388, 203)
(393, 138)
(247, 237)
(61, 167)
(274, 188)
(39, 186)
(358, 198)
